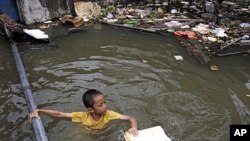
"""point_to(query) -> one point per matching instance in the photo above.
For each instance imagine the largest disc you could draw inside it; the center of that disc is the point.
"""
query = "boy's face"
(100, 106)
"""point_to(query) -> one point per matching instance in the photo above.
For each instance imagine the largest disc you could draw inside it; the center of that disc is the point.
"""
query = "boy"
(97, 116)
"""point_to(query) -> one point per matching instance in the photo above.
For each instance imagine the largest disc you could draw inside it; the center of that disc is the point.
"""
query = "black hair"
(88, 97)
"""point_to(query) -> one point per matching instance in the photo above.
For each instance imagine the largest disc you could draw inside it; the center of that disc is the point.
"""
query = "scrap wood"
(10, 24)
(13, 29)
(245, 42)
(227, 44)
(76, 21)
(184, 20)
(135, 28)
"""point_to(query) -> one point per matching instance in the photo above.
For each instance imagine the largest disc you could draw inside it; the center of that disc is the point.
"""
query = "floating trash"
(173, 24)
(212, 39)
(36, 33)
(201, 28)
(131, 22)
(219, 32)
(112, 20)
(170, 30)
(47, 22)
(73, 30)
(189, 34)
(244, 25)
(144, 61)
(110, 16)
(185, 27)
(164, 3)
(76, 21)
(178, 58)
(214, 68)
(173, 11)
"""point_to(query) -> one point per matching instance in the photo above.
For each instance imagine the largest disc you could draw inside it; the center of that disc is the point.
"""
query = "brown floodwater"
(139, 76)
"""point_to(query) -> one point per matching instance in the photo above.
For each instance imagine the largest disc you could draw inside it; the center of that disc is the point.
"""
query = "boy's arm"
(133, 129)
(52, 113)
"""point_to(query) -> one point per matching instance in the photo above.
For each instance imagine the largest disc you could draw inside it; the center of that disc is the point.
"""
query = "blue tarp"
(9, 7)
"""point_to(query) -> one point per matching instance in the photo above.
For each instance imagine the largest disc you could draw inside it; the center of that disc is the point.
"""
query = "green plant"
(108, 9)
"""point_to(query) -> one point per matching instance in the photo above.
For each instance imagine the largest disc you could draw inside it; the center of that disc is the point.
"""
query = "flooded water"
(139, 76)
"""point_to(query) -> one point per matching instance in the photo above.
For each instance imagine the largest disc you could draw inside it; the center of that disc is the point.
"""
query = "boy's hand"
(33, 114)
(133, 131)
(133, 122)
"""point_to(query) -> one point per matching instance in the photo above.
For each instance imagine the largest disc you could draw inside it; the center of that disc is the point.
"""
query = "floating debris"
(178, 58)
(48, 22)
(214, 68)
(36, 33)
(73, 30)
(202, 28)
(15, 29)
(189, 34)
(144, 61)
(44, 26)
(76, 21)
(221, 26)
(216, 23)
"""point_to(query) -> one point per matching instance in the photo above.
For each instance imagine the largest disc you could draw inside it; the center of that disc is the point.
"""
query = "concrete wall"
(32, 11)
(35, 11)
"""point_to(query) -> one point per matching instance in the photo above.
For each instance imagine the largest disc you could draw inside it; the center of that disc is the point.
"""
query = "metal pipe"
(36, 123)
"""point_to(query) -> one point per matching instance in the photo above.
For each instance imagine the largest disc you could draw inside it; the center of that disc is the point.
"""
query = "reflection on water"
(137, 73)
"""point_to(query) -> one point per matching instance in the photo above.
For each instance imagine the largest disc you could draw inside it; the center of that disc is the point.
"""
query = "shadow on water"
(137, 73)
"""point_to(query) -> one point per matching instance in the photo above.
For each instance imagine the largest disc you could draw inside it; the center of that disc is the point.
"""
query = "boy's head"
(94, 101)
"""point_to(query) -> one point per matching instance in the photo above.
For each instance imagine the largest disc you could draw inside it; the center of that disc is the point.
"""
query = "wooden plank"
(227, 44)
(135, 28)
